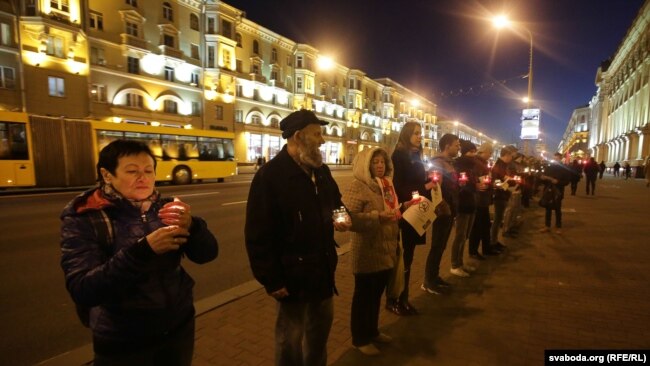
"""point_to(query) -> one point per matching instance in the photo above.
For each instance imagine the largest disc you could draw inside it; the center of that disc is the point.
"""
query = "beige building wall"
(10, 63)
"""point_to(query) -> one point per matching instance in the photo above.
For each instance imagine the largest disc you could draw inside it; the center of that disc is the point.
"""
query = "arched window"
(256, 47)
(168, 12)
(238, 39)
(194, 22)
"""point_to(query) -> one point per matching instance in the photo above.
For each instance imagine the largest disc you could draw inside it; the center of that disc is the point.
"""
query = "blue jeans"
(499, 211)
(301, 332)
(464, 222)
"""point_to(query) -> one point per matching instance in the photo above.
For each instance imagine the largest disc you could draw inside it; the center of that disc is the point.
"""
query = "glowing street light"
(325, 63)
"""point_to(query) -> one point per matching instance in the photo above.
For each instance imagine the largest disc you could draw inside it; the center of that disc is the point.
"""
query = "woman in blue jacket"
(125, 267)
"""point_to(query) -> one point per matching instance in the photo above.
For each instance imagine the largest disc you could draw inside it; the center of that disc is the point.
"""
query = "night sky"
(438, 47)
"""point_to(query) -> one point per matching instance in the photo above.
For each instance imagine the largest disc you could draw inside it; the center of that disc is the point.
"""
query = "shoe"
(434, 290)
(439, 282)
(410, 309)
(499, 246)
(469, 268)
(545, 229)
(397, 309)
(558, 231)
(383, 338)
(492, 251)
(369, 349)
(458, 272)
(477, 256)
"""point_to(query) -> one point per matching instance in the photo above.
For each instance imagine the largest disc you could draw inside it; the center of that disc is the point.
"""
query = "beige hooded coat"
(374, 245)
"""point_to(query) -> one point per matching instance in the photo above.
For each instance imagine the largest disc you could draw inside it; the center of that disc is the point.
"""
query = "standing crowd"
(122, 242)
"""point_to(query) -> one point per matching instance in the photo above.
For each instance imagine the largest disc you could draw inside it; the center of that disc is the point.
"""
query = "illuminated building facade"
(464, 132)
(574, 141)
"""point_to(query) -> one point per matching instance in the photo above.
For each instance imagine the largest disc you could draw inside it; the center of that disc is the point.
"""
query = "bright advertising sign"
(530, 124)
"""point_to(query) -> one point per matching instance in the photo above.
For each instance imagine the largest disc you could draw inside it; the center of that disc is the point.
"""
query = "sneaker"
(434, 290)
(558, 231)
(383, 338)
(439, 282)
(469, 268)
(397, 309)
(545, 229)
(477, 256)
(369, 349)
(458, 272)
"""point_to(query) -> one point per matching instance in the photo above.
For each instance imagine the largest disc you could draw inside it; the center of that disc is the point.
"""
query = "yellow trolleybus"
(16, 158)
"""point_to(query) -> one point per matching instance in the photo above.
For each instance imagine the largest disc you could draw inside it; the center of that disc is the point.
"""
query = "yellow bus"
(46, 151)
(16, 158)
(184, 155)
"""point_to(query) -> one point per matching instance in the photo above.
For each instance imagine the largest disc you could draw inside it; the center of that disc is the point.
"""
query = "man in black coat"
(559, 175)
(289, 237)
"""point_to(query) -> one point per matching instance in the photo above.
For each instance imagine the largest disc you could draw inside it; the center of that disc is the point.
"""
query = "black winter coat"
(289, 231)
(138, 297)
(409, 176)
(467, 192)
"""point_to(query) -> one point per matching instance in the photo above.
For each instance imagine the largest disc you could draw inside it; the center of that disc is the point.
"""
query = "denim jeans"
(176, 350)
(440, 230)
(364, 316)
(301, 332)
(464, 222)
(499, 211)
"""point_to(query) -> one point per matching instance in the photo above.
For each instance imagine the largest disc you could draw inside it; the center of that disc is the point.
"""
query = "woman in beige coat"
(373, 206)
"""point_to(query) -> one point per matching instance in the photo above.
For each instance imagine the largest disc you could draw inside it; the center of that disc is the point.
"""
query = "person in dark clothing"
(576, 170)
(559, 175)
(446, 211)
(628, 171)
(617, 168)
(480, 233)
(289, 235)
(602, 169)
(465, 166)
(139, 296)
(409, 176)
(501, 173)
(591, 173)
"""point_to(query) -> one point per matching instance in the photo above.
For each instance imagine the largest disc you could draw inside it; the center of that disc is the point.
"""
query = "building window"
(194, 22)
(211, 56)
(219, 110)
(194, 51)
(56, 86)
(239, 115)
(5, 34)
(226, 59)
(274, 55)
(255, 69)
(98, 92)
(289, 60)
(226, 28)
(169, 73)
(134, 100)
(55, 46)
(196, 111)
(61, 5)
(169, 41)
(97, 56)
(238, 65)
(212, 23)
(256, 47)
(299, 61)
(96, 21)
(274, 75)
(170, 106)
(195, 79)
(132, 29)
(133, 3)
(7, 77)
(299, 82)
(238, 39)
(133, 65)
(168, 12)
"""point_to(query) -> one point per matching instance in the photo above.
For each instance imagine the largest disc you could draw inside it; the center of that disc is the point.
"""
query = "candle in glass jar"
(486, 179)
(415, 195)
(340, 215)
(463, 178)
(435, 176)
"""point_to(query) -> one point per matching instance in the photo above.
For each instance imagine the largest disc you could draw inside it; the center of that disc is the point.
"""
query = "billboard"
(530, 124)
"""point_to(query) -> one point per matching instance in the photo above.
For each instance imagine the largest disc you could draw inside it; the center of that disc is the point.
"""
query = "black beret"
(297, 121)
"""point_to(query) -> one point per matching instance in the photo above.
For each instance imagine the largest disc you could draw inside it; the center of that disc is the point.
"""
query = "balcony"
(133, 41)
(171, 52)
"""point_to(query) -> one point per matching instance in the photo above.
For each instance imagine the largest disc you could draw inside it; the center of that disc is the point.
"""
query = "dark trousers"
(176, 350)
(480, 231)
(591, 183)
(557, 207)
(574, 187)
(409, 252)
(364, 317)
(440, 230)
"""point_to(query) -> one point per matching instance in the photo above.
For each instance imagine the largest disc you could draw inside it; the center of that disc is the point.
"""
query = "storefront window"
(254, 147)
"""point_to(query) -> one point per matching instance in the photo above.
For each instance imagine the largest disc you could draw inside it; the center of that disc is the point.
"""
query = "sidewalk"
(584, 289)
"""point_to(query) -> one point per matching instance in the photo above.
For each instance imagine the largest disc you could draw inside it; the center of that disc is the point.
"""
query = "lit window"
(226, 59)
(61, 5)
(5, 34)
(170, 106)
(168, 13)
(55, 46)
(96, 21)
(7, 77)
(134, 100)
(56, 86)
(98, 92)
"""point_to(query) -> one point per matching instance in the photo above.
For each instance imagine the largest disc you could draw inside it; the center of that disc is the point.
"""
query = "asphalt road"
(37, 316)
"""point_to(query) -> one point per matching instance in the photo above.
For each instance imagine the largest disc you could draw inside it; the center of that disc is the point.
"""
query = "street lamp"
(501, 21)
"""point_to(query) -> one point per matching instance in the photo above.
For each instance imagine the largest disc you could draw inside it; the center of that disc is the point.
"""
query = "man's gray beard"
(310, 156)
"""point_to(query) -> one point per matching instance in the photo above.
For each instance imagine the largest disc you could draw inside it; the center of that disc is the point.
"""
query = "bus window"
(229, 150)
(106, 137)
(13, 141)
(150, 139)
(179, 147)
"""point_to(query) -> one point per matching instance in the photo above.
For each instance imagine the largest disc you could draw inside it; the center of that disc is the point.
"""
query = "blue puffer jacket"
(138, 297)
